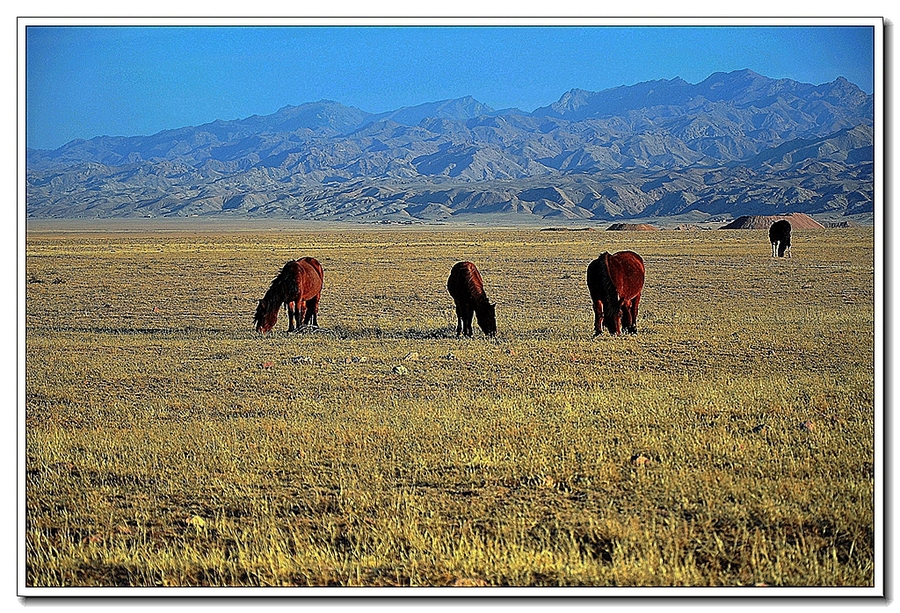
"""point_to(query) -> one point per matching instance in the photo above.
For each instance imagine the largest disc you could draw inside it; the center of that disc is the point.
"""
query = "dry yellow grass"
(731, 442)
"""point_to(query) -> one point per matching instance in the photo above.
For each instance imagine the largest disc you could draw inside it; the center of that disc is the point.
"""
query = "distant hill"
(737, 143)
(798, 221)
(620, 226)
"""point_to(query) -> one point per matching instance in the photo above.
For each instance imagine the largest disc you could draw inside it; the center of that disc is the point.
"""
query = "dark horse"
(299, 286)
(780, 237)
(467, 288)
(615, 282)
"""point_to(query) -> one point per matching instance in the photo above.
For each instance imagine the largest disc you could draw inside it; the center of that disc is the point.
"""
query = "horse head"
(265, 317)
(612, 320)
(487, 319)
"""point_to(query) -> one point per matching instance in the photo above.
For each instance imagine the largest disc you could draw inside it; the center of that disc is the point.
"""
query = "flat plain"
(731, 442)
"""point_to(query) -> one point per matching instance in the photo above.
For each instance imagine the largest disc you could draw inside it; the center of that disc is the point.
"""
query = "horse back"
(309, 275)
(780, 231)
(315, 265)
(619, 274)
(465, 283)
(626, 270)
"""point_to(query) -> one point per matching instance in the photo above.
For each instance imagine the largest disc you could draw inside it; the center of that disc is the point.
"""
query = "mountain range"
(737, 143)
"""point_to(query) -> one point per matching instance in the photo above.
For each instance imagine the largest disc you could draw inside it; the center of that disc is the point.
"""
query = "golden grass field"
(731, 442)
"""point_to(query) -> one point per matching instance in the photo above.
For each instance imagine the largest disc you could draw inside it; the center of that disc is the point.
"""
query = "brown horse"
(299, 287)
(467, 288)
(615, 282)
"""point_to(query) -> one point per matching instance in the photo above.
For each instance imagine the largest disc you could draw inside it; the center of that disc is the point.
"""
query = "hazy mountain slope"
(736, 143)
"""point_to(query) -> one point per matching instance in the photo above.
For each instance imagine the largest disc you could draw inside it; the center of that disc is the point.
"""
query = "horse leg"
(301, 313)
(310, 309)
(313, 306)
(634, 312)
(467, 329)
(775, 249)
(298, 315)
(459, 320)
(290, 310)
(598, 317)
(614, 320)
(625, 309)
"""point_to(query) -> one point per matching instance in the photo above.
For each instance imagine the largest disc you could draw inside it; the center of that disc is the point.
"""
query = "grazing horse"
(780, 237)
(467, 288)
(615, 283)
(299, 287)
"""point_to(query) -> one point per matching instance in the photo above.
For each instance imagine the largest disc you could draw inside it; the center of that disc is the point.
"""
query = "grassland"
(729, 443)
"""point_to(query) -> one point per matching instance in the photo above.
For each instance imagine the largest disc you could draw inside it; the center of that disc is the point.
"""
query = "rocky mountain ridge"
(735, 144)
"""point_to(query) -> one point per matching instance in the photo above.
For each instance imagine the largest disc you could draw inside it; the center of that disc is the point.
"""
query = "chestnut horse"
(299, 286)
(467, 288)
(615, 282)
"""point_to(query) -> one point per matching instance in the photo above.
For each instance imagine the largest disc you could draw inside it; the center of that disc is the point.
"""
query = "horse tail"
(609, 288)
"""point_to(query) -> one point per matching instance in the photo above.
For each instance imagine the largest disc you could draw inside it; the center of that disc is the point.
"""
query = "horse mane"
(285, 284)
(475, 287)
(483, 310)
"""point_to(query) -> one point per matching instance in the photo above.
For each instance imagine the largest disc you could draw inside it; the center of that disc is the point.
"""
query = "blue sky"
(90, 81)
